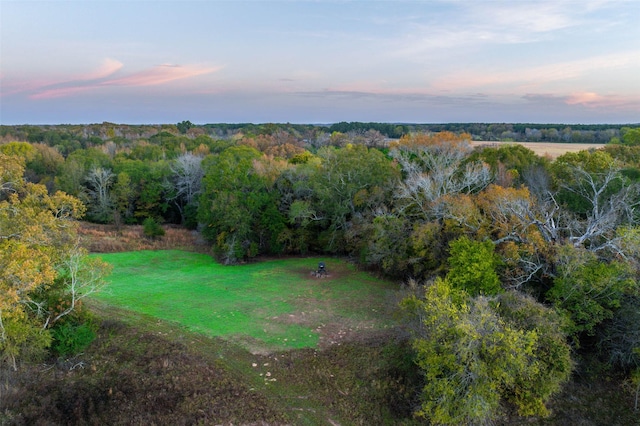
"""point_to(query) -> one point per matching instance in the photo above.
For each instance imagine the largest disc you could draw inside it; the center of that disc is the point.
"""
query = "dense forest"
(515, 266)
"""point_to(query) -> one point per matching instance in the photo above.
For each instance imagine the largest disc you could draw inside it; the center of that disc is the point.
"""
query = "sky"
(152, 62)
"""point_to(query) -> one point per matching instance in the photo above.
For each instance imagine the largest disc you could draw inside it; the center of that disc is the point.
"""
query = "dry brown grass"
(544, 149)
(129, 376)
(110, 239)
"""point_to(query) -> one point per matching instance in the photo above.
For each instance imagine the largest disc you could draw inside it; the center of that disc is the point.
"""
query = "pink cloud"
(584, 98)
(159, 75)
(108, 74)
(56, 89)
(109, 66)
(594, 100)
(58, 93)
(15, 87)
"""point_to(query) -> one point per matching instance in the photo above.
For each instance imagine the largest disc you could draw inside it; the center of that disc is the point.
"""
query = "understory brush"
(131, 377)
(140, 370)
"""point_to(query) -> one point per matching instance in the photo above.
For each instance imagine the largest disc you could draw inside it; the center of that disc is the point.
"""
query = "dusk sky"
(144, 62)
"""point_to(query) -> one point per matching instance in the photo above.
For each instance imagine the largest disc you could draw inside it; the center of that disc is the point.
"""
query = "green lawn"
(264, 306)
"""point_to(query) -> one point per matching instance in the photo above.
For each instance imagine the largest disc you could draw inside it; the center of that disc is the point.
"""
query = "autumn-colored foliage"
(442, 140)
(37, 248)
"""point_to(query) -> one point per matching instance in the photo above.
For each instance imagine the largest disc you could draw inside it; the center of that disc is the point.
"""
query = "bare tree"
(435, 171)
(187, 180)
(188, 173)
(99, 181)
(82, 276)
(613, 201)
(373, 138)
(606, 223)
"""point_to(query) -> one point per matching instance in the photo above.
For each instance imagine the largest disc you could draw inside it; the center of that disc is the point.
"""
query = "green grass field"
(264, 306)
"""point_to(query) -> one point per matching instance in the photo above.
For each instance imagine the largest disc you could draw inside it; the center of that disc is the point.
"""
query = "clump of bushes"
(71, 338)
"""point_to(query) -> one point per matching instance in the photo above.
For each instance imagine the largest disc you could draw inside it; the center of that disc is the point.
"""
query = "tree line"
(513, 263)
(504, 132)
(70, 137)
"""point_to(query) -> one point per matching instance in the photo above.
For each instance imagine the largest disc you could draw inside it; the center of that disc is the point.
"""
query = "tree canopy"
(43, 273)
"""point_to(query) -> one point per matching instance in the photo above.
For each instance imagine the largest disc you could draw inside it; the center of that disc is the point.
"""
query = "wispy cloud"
(525, 19)
(403, 97)
(109, 74)
(584, 98)
(595, 100)
(60, 92)
(160, 74)
(495, 22)
(526, 77)
(589, 100)
(109, 66)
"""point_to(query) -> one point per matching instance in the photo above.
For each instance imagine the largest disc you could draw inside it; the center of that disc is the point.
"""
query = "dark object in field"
(321, 272)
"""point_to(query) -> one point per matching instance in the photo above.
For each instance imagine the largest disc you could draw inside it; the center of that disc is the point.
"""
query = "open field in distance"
(553, 150)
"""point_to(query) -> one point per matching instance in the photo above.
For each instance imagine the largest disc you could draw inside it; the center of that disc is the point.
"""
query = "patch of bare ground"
(320, 314)
(333, 332)
(339, 333)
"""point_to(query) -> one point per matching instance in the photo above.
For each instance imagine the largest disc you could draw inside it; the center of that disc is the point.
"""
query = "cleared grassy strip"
(264, 306)
(553, 150)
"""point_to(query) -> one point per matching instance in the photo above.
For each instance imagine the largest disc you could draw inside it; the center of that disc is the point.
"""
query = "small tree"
(79, 276)
(631, 137)
(152, 229)
(184, 126)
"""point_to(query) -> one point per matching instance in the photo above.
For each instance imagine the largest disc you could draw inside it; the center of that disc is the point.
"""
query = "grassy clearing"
(264, 306)
(544, 149)
(320, 349)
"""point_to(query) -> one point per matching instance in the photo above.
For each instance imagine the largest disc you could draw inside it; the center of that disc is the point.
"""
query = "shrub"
(589, 291)
(70, 338)
(152, 229)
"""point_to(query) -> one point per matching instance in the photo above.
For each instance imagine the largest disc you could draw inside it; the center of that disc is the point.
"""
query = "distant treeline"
(80, 136)
(507, 132)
